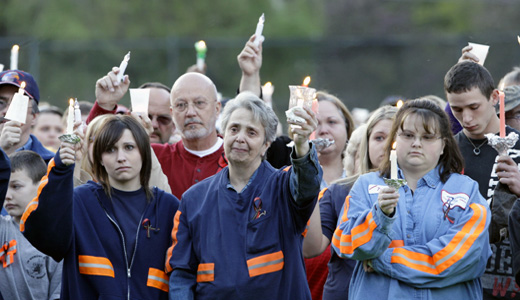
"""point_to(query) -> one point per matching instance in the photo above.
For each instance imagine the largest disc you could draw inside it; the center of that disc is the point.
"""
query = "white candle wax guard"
(17, 110)
(480, 51)
(140, 99)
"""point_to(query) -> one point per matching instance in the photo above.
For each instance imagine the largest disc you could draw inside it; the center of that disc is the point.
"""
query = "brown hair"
(434, 120)
(108, 136)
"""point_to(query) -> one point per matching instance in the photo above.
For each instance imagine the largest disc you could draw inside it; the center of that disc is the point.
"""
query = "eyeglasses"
(515, 116)
(181, 106)
(425, 138)
(162, 119)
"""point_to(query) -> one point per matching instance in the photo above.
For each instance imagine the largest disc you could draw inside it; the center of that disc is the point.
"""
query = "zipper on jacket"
(129, 267)
(124, 250)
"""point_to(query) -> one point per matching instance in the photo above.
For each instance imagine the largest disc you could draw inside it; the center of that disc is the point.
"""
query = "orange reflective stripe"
(304, 233)
(320, 195)
(286, 169)
(359, 236)
(33, 205)
(95, 265)
(157, 279)
(344, 217)
(265, 264)
(175, 229)
(7, 252)
(206, 272)
(396, 243)
(451, 253)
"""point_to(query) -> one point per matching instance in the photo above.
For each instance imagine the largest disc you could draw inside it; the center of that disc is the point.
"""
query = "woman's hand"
(301, 135)
(68, 153)
(387, 200)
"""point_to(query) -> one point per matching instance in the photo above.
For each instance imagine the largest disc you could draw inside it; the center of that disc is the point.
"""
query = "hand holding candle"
(201, 49)
(122, 67)
(258, 32)
(14, 57)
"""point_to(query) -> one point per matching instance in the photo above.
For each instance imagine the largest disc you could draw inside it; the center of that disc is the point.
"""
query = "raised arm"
(250, 62)
(109, 91)
(47, 220)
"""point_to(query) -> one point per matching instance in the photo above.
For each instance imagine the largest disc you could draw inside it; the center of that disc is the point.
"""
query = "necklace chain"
(476, 150)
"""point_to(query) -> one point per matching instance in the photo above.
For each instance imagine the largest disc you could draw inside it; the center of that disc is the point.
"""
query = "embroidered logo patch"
(452, 200)
(375, 189)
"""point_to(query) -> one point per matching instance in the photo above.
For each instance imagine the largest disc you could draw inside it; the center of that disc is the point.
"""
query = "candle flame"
(394, 145)
(71, 102)
(501, 86)
(399, 103)
(518, 38)
(306, 81)
(22, 86)
(16, 47)
(268, 84)
(201, 44)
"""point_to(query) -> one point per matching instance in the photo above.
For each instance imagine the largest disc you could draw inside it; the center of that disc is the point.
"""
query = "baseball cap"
(511, 98)
(15, 77)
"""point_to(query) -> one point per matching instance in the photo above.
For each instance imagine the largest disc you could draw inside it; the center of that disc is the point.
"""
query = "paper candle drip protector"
(17, 110)
(322, 144)
(502, 144)
(300, 97)
(140, 99)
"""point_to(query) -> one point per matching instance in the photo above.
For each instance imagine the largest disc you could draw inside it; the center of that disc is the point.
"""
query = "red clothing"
(317, 271)
(182, 168)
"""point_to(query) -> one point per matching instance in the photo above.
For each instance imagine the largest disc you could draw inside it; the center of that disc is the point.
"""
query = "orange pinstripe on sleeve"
(175, 229)
(451, 253)
(359, 235)
(33, 205)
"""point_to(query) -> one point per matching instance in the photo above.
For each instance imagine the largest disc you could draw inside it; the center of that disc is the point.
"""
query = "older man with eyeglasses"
(194, 108)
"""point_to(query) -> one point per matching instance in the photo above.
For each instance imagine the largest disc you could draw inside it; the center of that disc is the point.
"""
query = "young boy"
(25, 273)
(472, 96)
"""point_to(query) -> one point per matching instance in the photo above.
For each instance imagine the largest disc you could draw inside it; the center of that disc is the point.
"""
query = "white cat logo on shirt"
(375, 189)
(452, 200)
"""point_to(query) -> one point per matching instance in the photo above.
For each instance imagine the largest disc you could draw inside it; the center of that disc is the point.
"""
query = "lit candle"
(306, 81)
(77, 111)
(17, 110)
(70, 117)
(502, 115)
(399, 103)
(393, 162)
(267, 91)
(14, 57)
(122, 67)
(258, 32)
(201, 49)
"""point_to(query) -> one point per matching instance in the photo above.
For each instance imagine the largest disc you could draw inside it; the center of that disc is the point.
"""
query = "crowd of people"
(206, 199)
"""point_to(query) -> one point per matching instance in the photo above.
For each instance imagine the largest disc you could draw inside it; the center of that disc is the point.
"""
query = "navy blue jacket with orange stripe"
(78, 225)
(245, 245)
